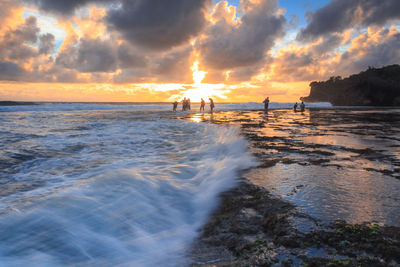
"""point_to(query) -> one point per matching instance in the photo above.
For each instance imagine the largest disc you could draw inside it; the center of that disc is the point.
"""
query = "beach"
(325, 193)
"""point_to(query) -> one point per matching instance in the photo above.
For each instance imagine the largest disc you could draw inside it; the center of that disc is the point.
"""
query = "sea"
(105, 184)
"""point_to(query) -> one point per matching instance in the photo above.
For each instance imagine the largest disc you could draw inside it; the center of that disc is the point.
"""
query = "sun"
(198, 75)
(199, 90)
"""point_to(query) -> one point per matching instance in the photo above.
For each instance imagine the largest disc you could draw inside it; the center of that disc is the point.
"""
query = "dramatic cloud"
(229, 44)
(159, 24)
(340, 15)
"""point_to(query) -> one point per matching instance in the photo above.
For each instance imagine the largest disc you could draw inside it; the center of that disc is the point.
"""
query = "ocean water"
(109, 185)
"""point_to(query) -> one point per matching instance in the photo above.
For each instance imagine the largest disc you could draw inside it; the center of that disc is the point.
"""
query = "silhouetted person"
(295, 107)
(302, 106)
(266, 104)
(211, 105)
(188, 104)
(175, 105)
(202, 104)
(184, 104)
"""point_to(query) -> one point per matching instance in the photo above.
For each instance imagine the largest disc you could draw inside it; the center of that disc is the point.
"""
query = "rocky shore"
(253, 227)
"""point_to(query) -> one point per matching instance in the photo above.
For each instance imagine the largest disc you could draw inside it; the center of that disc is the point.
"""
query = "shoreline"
(252, 227)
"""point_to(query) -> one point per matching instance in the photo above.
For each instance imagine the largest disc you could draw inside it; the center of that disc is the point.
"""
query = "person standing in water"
(188, 104)
(211, 105)
(266, 104)
(295, 107)
(202, 104)
(302, 106)
(184, 104)
(175, 105)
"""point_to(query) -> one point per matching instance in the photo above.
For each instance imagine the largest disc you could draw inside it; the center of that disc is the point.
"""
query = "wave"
(144, 212)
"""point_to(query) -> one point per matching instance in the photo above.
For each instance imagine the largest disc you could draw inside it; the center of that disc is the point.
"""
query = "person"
(202, 104)
(188, 104)
(184, 104)
(295, 107)
(211, 105)
(302, 106)
(175, 105)
(266, 104)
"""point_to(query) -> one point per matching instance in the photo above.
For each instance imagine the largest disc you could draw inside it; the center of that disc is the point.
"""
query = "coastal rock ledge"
(373, 87)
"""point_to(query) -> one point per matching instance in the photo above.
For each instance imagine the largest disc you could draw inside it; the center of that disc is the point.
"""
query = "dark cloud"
(129, 57)
(61, 7)
(95, 55)
(46, 45)
(340, 15)
(158, 24)
(228, 46)
(10, 71)
(173, 66)
(91, 55)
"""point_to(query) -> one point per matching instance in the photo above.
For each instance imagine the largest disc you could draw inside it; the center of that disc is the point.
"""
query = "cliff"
(373, 87)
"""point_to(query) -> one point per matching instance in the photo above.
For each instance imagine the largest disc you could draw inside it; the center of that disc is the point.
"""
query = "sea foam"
(134, 193)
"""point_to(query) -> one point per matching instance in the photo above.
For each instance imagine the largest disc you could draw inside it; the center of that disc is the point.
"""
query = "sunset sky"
(163, 50)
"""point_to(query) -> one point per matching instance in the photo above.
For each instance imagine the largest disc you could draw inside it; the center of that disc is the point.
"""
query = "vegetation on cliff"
(373, 87)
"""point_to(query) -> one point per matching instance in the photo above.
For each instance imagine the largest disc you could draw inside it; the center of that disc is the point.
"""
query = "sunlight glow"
(198, 75)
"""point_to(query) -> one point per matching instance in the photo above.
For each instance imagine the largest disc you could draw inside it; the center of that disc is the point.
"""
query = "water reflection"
(334, 164)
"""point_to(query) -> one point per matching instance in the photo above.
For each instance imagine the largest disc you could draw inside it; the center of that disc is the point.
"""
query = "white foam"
(143, 207)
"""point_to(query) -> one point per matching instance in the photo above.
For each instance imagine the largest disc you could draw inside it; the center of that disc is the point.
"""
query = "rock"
(373, 87)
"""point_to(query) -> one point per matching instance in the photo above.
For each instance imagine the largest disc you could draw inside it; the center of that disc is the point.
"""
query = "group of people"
(302, 105)
(186, 104)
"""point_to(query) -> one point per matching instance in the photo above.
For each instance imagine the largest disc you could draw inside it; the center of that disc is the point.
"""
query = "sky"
(164, 50)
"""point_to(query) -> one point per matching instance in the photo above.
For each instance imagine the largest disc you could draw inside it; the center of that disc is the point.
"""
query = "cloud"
(17, 44)
(129, 57)
(10, 71)
(9, 11)
(295, 64)
(323, 59)
(90, 55)
(374, 48)
(61, 7)
(171, 66)
(95, 55)
(229, 44)
(46, 45)
(158, 24)
(340, 15)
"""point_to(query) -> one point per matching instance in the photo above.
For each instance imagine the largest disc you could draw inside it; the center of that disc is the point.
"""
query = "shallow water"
(331, 163)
